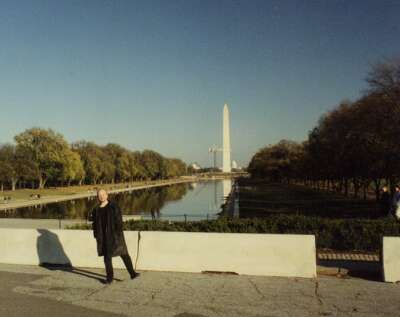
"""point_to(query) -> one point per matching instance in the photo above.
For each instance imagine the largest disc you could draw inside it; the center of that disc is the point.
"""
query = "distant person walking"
(396, 202)
(107, 229)
(385, 202)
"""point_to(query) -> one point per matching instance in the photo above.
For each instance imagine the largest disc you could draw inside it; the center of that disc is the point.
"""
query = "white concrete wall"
(77, 247)
(391, 259)
(251, 254)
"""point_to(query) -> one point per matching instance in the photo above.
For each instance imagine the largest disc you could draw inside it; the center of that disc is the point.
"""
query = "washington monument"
(226, 143)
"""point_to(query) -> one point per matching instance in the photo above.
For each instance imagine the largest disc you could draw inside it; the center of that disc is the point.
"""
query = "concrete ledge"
(391, 259)
(251, 254)
(75, 247)
(25, 223)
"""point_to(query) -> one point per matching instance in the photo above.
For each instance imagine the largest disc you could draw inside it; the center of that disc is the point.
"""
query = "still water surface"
(197, 201)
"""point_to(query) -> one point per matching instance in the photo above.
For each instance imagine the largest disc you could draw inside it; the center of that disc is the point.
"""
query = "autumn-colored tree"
(50, 152)
(352, 146)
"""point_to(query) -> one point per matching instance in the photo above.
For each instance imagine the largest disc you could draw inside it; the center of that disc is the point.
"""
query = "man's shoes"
(135, 275)
(107, 282)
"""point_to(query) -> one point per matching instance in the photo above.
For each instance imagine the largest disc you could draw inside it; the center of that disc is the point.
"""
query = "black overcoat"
(112, 241)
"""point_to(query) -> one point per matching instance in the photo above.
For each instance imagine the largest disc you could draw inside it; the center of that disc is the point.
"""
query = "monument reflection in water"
(197, 201)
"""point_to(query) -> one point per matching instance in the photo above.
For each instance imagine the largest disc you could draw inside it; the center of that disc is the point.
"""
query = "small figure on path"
(385, 201)
(107, 229)
(396, 202)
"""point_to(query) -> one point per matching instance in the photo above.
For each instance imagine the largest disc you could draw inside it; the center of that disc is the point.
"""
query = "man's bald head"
(102, 195)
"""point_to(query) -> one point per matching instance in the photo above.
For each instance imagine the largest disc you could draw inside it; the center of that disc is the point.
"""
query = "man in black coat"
(107, 229)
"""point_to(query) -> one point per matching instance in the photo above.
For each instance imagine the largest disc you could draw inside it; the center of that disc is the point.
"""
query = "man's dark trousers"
(109, 267)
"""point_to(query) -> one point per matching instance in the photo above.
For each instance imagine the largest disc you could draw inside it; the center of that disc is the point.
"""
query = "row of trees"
(352, 147)
(42, 157)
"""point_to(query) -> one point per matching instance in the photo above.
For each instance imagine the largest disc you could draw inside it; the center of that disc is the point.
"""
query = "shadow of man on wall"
(53, 257)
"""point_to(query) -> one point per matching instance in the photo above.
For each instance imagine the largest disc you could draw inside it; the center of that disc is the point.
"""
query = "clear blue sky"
(155, 74)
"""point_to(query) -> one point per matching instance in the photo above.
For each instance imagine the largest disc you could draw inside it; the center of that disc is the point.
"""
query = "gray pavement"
(16, 304)
(29, 290)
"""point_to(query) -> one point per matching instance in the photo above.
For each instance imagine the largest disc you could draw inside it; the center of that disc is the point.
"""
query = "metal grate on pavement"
(348, 256)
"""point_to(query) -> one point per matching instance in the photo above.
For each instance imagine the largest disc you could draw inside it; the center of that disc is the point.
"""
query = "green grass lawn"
(23, 194)
(260, 199)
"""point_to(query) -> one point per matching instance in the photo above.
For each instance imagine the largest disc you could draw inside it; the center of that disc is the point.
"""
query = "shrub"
(337, 234)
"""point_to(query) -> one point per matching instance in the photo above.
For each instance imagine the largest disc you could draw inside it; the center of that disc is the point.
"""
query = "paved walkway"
(28, 290)
(16, 304)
